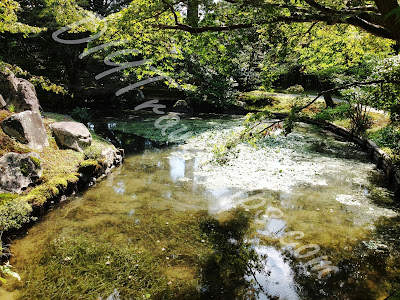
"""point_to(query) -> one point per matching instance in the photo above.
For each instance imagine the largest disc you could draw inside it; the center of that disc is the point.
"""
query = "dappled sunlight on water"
(157, 202)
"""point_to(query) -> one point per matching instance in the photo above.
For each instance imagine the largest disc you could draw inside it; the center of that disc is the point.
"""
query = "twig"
(270, 126)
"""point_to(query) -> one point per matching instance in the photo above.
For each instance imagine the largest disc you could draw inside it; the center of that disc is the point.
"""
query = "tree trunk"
(324, 85)
(193, 13)
(390, 11)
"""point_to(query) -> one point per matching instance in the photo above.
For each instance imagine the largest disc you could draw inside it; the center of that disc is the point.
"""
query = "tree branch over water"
(381, 20)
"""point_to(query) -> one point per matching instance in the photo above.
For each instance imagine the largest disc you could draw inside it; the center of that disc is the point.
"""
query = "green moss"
(58, 182)
(24, 169)
(36, 161)
(72, 178)
(7, 197)
(89, 163)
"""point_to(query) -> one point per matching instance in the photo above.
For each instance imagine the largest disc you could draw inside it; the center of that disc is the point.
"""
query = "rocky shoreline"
(43, 159)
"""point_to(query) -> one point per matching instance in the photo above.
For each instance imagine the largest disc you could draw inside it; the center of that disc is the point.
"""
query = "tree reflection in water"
(226, 270)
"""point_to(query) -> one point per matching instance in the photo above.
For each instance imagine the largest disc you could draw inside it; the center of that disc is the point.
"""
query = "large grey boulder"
(72, 135)
(28, 128)
(18, 93)
(18, 171)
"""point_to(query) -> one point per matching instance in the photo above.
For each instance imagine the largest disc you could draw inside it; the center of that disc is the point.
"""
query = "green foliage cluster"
(5, 270)
(92, 152)
(9, 20)
(14, 213)
(388, 137)
(386, 94)
(81, 114)
(39, 81)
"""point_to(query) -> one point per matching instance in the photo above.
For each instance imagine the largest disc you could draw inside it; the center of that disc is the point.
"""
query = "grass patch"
(14, 212)
(279, 102)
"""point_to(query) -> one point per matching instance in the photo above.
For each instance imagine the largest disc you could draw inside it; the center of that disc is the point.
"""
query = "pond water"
(305, 216)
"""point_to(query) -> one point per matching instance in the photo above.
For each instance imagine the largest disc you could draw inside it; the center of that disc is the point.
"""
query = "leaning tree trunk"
(390, 10)
(324, 85)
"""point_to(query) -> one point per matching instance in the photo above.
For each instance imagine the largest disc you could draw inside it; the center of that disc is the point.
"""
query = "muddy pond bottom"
(301, 217)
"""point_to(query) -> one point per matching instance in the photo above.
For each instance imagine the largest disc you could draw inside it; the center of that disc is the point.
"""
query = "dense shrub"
(389, 137)
(335, 113)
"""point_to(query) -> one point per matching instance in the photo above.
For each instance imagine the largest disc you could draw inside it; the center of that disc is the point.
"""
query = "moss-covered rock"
(60, 175)
(89, 166)
(18, 171)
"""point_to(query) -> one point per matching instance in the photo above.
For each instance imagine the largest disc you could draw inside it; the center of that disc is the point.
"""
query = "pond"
(305, 216)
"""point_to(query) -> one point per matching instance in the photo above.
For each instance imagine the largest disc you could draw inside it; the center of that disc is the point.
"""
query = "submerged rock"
(18, 171)
(18, 93)
(28, 128)
(72, 135)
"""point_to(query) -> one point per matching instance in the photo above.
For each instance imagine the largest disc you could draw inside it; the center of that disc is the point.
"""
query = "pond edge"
(381, 159)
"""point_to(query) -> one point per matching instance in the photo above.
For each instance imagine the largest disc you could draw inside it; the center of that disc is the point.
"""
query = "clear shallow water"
(306, 197)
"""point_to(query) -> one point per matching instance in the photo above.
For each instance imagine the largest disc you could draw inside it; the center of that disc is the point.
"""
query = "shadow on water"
(131, 143)
(232, 261)
(370, 267)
